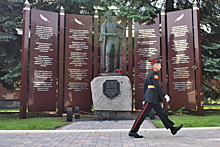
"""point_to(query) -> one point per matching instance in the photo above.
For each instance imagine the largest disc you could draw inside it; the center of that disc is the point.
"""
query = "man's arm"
(102, 36)
(123, 30)
(145, 85)
(156, 84)
(145, 89)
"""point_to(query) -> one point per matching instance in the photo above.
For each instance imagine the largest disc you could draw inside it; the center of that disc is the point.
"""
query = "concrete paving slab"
(109, 134)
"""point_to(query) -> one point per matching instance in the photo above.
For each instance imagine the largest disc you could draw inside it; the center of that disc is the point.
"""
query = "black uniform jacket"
(152, 89)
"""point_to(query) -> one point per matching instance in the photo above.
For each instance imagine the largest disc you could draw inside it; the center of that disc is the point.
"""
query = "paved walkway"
(110, 134)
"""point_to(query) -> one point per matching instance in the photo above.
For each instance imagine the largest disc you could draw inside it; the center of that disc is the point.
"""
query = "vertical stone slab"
(130, 51)
(198, 57)
(43, 61)
(78, 62)
(96, 46)
(181, 59)
(164, 54)
(61, 65)
(130, 56)
(147, 46)
(24, 59)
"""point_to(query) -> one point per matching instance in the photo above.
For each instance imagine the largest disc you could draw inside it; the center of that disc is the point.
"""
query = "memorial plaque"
(181, 59)
(111, 88)
(43, 61)
(78, 62)
(147, 46)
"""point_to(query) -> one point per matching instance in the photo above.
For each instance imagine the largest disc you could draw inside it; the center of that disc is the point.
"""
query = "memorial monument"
(111, 95)
(111, 91)
(111, 88)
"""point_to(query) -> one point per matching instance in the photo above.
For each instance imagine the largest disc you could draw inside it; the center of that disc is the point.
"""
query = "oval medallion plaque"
(111, 88)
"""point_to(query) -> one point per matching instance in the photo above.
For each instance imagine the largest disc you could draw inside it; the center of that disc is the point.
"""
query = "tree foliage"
(138, 10)
(10, 48)
(210, 40)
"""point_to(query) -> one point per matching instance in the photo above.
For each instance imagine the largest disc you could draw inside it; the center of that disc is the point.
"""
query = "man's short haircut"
(152, 64)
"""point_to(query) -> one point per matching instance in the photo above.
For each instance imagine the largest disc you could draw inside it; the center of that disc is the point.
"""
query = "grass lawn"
(212, 107)
(211, 118)
(35, 121)
(9, 119)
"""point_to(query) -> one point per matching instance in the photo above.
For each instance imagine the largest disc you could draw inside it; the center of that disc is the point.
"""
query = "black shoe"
(175, 129)
(134, 134)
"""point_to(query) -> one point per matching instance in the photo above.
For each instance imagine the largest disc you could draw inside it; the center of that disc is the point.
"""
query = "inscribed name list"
(78, 58)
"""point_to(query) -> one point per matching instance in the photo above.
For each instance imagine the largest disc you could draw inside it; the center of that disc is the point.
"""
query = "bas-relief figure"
(111, 42)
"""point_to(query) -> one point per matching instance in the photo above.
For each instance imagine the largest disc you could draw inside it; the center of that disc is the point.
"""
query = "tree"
(10, 48)
(138, 10)
(210, 30)
(210, 20)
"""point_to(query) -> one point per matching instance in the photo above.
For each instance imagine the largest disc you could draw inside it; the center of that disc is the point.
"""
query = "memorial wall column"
(96, 46)
(130, 57)
(24, 60)
(147, 46)
(61, 60)
(78, 62)
(198, 57)
(43, 61)
(164, 54)
(181, 59)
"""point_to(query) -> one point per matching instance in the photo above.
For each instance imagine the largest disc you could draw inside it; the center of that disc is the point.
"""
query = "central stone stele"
(112, 93)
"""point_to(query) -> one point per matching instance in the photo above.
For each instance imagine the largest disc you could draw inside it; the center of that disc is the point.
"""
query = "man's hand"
(167, 98)
(143, 102)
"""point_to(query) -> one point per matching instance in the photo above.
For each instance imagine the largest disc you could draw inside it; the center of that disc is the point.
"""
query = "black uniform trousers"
(145, 112)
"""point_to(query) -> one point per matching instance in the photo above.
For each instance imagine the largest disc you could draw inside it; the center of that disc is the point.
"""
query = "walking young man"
(152, 91)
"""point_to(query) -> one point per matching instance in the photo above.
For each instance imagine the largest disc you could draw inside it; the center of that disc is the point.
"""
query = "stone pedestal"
(112, 94)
